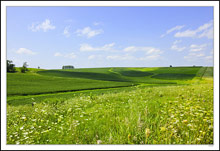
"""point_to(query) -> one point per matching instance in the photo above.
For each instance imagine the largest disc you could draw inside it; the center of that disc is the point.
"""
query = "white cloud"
(205, 30)
(25, 51)
(152, 50)
(68, 55)
(195, 48)
(66, 31)
(87, 47)
(207, 33)
(147, 50)
(177, 48)
(172, 29)
(57, 54)
(151, 53)
(88, 32)
(130, 49)
(45, 26)
(186, 33)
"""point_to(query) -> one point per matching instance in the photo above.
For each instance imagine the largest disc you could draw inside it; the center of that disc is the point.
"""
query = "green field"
(166, 105)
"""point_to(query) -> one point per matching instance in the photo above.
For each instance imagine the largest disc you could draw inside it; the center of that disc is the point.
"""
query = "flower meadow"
(178, 114)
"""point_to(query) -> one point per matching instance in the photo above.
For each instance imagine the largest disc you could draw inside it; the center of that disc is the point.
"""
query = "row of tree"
(11, 67)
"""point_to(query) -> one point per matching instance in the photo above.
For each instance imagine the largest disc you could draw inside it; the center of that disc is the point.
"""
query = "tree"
(10, 66)
(170, 65)
(24, 67)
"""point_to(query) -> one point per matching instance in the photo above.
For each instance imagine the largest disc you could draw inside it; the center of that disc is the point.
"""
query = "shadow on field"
(174, 76)
(87, 75)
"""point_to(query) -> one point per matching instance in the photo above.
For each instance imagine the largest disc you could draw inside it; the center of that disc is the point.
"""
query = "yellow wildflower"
(185, 121)
(147, 132)
(162, 129)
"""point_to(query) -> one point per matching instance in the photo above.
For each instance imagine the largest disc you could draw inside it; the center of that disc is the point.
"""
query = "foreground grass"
(152, 115)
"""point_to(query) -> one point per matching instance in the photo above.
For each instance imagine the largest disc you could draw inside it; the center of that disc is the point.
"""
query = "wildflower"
(210, 127)
(147, 132)
(185, 121)
(162, 129)
(129, 136)
(99, 141)
(189, 125)
(204, 120)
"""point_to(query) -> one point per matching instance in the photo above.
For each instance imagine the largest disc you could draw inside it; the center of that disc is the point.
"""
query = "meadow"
(166, 105)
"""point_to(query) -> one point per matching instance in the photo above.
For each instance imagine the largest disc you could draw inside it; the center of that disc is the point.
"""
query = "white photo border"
(5, 4)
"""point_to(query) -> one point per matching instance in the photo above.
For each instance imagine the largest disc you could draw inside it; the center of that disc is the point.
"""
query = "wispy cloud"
(209, 59)
(195, 48)
(205, 30)
(192, 56)
(87, 47)
(88, 32)
(179, 27)
(150, 57)
(25, 51)
(45, 26)
(121, 57)
(150, 53)
(176, 47)
(95, 57)
(147, 50)
(67, 55)
(97, 23)
(66, 31)
(57, 54)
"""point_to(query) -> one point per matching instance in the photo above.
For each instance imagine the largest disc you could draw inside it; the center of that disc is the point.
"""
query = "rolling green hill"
(53, 81)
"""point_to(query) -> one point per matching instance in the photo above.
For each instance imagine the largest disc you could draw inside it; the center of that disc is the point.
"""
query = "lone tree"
(10, 66)
(24, 67)
(170, 65)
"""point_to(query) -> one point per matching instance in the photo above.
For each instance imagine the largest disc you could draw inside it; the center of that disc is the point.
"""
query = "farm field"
(111, 106)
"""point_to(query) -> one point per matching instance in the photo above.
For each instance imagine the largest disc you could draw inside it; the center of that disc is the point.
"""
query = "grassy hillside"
(127, 106)
(150, 115)
(27, 84)
(37, 81)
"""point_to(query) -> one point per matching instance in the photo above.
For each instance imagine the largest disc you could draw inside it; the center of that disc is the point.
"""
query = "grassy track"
(174, 109)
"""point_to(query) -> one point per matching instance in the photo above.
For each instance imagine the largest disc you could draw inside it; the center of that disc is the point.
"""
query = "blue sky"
(87, 37)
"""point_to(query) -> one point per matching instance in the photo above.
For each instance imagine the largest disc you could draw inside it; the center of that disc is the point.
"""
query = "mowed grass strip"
(153, 115)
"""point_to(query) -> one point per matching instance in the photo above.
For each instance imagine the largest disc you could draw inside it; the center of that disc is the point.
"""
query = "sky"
(89, 37)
